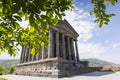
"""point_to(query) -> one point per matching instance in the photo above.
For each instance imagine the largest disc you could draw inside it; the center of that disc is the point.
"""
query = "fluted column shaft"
(63, 46)
(26, 54)
(69, 49)
(40, 53)
(43, 52)
(57, 45)
(72, 48)
(29, 53)
(50, 50)
(77, 54)
(22, 55)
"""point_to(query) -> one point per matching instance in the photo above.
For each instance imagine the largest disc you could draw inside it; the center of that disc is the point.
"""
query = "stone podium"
(59, 59)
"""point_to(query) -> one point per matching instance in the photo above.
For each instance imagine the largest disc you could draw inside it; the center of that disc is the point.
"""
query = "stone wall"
(51, 68)
(39, 68)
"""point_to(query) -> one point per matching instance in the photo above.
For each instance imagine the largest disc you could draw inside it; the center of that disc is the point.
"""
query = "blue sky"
(102, 43)
(94, 42)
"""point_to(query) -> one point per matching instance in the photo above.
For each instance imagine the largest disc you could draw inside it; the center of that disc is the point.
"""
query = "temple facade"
(59, 59)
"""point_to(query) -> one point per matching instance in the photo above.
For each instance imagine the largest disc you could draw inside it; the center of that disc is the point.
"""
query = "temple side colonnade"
(59, 59)
(61, 46)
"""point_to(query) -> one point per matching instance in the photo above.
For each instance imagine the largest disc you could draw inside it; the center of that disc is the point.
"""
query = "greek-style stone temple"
(59, 59)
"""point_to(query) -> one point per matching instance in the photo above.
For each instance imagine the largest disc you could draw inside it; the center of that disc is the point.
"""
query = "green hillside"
(8, 63)
(93, 62)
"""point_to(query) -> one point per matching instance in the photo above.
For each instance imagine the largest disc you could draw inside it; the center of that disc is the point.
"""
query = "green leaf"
(33, 51)
(108, 4)
(101, 23)
(26, 16)
(91, 12)
(113, 2)
(32, 29)
(9, 35)
(103, 6)
(21, 14)
(110, 15)
(96, 21)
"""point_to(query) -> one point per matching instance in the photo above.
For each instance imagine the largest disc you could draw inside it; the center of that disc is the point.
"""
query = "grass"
(110, 70)
(117, 71)
(2, 79)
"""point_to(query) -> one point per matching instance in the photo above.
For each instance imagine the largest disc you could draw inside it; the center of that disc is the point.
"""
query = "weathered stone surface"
(51, 68)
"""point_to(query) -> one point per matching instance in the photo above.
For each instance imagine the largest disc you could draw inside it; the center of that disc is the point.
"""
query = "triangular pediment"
(63, 25)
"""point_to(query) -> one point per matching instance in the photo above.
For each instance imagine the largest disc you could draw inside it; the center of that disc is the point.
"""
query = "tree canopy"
(1, 69)
(99, 10)
(39, 13)
(11, 70)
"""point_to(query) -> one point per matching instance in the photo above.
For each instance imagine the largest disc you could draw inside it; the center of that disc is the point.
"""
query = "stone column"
(37, 56)
(57, 45)
(26, 54)
(22, 55)
(32, 57)
(72, 49)
(77, 54)
(40, 53)
(29, 53)
(46, 51)
(50, 51)
(69, 48)
(43, 52)
(63, 46)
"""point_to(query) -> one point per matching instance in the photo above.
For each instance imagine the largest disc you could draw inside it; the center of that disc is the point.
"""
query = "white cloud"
(6, 56)
(103, 52)
(114, 45)
(112, 59)
(89, 50)
(82, 22)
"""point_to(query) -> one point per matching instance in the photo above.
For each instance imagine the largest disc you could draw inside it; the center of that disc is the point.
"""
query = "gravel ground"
(88, 76)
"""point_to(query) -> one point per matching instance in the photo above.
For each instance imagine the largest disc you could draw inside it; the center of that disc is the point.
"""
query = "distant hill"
(93, 62)
(8, 63)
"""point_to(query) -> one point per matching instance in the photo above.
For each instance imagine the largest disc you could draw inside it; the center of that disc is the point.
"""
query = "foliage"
(100, 11)
(1, 70)
(2, 79)
(11, 70)
(39, 13)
